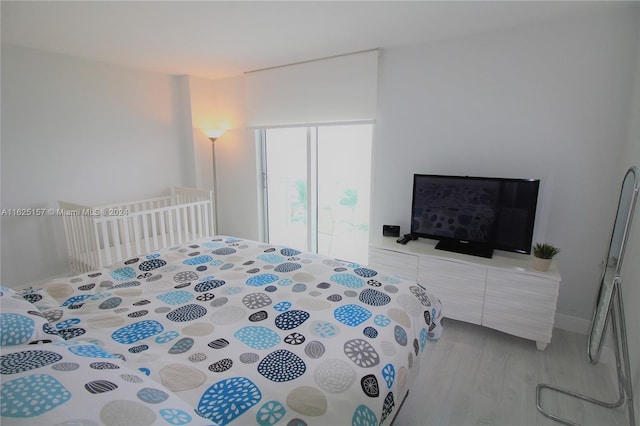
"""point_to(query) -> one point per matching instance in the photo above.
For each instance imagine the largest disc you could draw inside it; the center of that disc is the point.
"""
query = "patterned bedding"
(218, 331)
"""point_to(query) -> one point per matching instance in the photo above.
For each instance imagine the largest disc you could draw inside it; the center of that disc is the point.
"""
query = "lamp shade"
(214, 134)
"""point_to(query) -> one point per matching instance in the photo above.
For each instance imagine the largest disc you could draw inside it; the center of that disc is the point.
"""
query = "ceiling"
(216, 39)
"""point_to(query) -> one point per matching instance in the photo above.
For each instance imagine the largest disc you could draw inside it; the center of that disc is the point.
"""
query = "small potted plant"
(542, 255)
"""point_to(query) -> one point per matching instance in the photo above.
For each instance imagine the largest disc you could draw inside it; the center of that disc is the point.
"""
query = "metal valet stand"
(609, 305)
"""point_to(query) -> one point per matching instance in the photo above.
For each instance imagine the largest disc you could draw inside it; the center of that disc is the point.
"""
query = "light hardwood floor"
(479, 376)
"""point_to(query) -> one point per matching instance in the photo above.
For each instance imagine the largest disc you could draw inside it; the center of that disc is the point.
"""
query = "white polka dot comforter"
(218, 331)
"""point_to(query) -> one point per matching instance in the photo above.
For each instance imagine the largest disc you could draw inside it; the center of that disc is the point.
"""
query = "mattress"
(220, 331)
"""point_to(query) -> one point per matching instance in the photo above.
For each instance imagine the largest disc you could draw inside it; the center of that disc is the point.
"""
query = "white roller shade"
(338, 89)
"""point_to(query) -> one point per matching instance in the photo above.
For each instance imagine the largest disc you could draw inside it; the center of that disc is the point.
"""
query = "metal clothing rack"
(609, 305)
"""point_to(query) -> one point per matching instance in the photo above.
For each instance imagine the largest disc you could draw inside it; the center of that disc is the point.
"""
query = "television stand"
(465, 247)
(504, 293)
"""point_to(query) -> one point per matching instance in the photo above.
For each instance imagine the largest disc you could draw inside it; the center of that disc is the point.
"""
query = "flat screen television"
(475, 215)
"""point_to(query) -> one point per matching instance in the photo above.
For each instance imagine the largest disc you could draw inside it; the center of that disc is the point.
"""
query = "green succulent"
(545, 251)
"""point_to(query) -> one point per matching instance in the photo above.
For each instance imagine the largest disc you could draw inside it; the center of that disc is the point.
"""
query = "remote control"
(406, 238)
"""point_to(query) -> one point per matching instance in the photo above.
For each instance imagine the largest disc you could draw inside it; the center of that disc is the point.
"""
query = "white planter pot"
(541, 264)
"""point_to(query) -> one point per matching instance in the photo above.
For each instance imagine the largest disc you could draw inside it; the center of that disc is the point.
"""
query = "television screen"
(475, 215)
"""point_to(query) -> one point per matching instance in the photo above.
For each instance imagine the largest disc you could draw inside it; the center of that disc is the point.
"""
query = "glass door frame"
(312, 185)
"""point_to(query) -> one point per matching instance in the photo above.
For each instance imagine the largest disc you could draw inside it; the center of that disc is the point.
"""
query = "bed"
(219, 330)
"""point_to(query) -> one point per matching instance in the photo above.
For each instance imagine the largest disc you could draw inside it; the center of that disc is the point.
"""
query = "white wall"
(202, 99)
(549, 101)
(631, 267)
(220, 104)
(80, 131)
(238, 178)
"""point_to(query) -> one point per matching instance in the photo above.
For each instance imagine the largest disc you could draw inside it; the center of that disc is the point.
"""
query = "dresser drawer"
(521, 304)
(464, 277)
(458, 285)
(399, 264)
(538, 328)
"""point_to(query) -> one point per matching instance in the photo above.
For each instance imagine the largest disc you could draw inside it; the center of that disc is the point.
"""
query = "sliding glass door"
(317, 188)
(287, 203)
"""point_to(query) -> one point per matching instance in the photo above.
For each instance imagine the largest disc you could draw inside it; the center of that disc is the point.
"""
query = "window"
(317, 188)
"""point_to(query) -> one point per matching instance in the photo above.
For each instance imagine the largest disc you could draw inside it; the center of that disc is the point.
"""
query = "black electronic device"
(390, 230)
(475, 215)
(406, 238)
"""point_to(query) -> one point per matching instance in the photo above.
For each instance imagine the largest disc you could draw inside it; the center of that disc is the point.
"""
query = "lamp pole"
(213, 136)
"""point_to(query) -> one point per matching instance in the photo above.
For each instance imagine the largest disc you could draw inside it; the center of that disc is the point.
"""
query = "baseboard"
(569, 323)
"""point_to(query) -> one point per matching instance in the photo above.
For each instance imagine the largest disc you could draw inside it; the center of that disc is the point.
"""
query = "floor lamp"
(214, 135)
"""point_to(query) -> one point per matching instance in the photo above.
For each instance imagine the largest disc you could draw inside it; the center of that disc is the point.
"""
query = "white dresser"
(504, 293)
